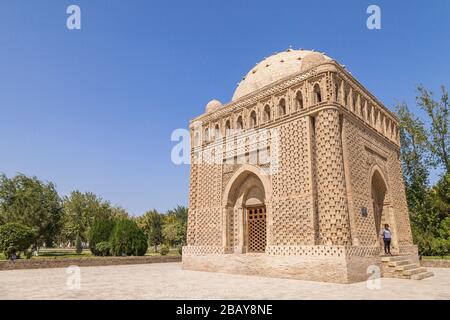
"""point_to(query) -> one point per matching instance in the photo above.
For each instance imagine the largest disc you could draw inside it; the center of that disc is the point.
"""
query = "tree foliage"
(151, 223)
(80, 212)
(438, 135)
(425, 145)
(100, 232)
(175, 226)
(181, 215)
(31, 202)
(128, 239)
(168, 228)
(103, 249)
(15, 237)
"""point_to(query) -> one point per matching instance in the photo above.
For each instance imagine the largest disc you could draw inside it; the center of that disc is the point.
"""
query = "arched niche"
(247, 210)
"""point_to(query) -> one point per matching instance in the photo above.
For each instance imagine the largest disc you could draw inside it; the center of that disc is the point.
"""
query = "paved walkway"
(168, 281)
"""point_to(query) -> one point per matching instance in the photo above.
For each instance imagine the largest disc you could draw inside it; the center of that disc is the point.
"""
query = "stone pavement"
(169, 281)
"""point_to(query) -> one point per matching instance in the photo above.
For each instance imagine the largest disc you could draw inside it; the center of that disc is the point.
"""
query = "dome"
(276, 67)
(213, 105)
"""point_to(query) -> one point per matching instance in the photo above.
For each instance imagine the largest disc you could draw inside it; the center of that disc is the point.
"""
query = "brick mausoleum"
(296, 176)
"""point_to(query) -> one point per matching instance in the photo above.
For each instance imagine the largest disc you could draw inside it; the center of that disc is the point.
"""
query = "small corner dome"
(213, 105)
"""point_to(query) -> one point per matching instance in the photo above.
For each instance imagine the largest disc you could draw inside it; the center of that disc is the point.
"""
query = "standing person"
(13, 257)
(387, 236)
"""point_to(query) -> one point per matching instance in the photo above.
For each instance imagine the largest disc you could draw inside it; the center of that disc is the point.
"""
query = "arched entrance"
(246, 211)
(381, 205)
(379, 191)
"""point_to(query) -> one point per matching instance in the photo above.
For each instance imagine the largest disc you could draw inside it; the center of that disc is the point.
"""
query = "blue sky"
(93, 109)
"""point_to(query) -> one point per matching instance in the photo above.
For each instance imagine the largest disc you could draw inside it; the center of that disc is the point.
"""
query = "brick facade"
(319, 153)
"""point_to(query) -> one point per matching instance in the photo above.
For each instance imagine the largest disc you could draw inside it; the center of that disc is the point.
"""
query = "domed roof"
(213, 105)
(276, 67)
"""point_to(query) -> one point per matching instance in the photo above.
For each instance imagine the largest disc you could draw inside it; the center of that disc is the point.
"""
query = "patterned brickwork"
(210, 220)
(193, 182)
(359, 176)
(256, 220)
(292, 221)
(205, 204)
(399, 204)
(363, 251)
(233, 227)
(292, 206)
(313, 160)
(313, 251)
(324, 251)
(333, 163)
(332, 199)
(321, 180)
(367, 150)
(195, 250)
(292, 179)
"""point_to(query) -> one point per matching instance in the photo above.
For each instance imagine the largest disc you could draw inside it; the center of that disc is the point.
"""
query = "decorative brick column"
(334, 228)
(191, 226)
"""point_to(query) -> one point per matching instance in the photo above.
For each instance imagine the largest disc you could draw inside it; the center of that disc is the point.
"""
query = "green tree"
(100, 232)
(15, 237)
(424, 146)
(78, 245)
(151, 224)
(414, 163)
(128, 239)
(438, 135)
(80, 212)
(181, 214)
(172, 230)
(119, 213)
(31, 202)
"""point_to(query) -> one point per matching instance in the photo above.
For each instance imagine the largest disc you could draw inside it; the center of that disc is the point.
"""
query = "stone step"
(398, 263)
(423, 275)
(393, 258)
(414, 271)
(407, 267)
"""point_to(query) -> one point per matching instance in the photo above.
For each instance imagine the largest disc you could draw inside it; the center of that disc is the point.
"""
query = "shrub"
(10, 251)
(78, 245)
(100, 232)
(28, 254)
(103, 249)
(180, 250)
(128, 239)
(16, 237)
(164, 250)
(440, 247)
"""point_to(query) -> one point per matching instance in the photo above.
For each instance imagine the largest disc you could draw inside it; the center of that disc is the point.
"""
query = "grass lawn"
(172, 252)
(62, 253)
(56, 253)
(428, 258)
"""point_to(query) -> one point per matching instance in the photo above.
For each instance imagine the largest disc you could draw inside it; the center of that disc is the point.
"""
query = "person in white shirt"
(387, 236)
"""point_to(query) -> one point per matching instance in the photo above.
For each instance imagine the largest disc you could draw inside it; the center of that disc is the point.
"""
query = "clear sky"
(93, 109)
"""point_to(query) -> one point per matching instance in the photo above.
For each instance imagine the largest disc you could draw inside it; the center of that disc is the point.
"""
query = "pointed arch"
(238, 177)
(253, 120)
(282, 107)
(267, 113)
(299, 100)
(317, 94)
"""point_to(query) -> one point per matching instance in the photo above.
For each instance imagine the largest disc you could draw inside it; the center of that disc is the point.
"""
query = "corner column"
(333, 215)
